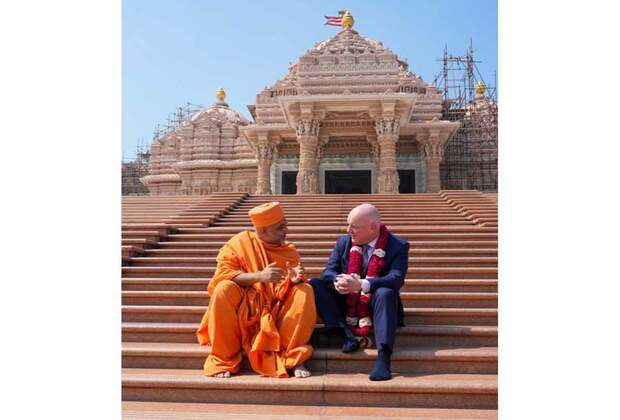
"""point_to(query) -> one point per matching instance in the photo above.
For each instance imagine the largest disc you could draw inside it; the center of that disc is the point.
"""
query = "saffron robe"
(272, 322)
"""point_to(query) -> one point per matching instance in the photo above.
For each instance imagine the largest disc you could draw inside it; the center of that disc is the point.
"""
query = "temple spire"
(347, 20)
(220, 94)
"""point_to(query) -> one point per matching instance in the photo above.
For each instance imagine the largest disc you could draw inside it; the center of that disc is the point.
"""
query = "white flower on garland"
(356, 249)
(379, 253)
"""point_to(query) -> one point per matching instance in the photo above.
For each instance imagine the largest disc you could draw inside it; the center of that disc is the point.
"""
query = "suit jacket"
(392, 275)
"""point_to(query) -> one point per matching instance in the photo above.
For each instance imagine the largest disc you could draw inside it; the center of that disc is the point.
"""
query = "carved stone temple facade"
(349, 116)
(204, 154)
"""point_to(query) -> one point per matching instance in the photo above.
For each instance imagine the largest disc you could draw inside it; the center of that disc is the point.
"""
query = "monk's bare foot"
(222, 375)
(301, 371)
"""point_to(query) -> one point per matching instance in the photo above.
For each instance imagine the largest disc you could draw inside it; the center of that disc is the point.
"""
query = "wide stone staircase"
(445, 358)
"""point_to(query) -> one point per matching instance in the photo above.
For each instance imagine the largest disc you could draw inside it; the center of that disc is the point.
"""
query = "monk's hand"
(271, 274)
(295, 273)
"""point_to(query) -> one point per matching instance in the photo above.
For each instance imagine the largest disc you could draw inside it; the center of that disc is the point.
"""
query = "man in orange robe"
(260, 301)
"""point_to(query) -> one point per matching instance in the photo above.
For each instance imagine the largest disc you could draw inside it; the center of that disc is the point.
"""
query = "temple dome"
(347, 63)
(219, 114)
(347, 40)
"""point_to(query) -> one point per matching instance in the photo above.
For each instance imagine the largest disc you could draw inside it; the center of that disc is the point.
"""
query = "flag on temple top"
(333, 20)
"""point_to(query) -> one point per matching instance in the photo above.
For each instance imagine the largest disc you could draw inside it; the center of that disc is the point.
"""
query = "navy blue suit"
(387, 308)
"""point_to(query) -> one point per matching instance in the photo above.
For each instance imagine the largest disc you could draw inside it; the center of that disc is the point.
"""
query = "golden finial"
(480, 88)
(347, 20)
(220, 94)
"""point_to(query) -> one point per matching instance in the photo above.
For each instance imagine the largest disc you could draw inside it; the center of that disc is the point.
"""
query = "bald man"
(369, 261)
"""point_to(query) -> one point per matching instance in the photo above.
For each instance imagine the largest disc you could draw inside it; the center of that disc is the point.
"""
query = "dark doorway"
(289, 182)
(347, 182)
(407, 181)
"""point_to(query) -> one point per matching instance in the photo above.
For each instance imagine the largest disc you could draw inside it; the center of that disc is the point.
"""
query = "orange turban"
(266, 214)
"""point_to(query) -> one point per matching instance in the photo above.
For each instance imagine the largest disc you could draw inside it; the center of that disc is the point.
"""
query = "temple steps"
(418, 261)
(303, 246)
(313, 271)
(477, 207)
(407, 214)
(399, 230)
(409, 299)
(245, 225)
(139, 410)
(313, 225)
(239, 215)
(388, 211)
(172, 211)
(129, 251)
(404, 390)
(322, 252)
(416, 316)
(146, 234)
(411, 285)
(446, 355)
(139, 242)
(160, 228)
(332, 236)
(342, 205)
(409, 336)
(332, 360)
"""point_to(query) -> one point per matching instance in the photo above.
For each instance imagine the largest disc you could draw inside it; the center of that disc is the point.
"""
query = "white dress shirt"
(370, 248)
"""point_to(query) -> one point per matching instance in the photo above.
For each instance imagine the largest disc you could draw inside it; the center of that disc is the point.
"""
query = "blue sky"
(181, 51)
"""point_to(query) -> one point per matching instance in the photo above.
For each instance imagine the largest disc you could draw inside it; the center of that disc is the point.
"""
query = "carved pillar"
(375, 155)
(308, 138)
(432, 147)
(387, 136)
(265, 151)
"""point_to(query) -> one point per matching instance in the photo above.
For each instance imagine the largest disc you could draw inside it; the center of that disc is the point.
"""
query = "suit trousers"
(331, 306)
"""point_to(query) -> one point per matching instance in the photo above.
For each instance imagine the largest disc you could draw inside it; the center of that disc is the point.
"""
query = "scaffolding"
(135, 168)
(175, 119)
(470, 156)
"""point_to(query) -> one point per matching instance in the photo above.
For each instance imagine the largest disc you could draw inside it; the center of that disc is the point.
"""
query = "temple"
(348, 117)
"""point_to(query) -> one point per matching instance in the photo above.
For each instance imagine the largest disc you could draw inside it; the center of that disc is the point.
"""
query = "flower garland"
(358, 304)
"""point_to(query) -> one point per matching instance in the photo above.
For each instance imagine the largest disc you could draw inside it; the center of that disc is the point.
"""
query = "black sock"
(350, 342)
(381, 372)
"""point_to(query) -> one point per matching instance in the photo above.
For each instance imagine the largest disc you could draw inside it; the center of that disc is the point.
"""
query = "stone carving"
(215, 164)
(265, 152)
(388, 181)
(162, 178)
(387, 135)
(320, 150)
(387, 126)
(307, 181)
(307, 137)
(198, 151)
(432, 147)
(308, 127)
(218, 144)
